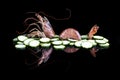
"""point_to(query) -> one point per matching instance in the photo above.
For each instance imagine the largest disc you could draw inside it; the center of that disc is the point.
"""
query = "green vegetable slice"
(34, 43)
(20, 46)
(57, 42)
(45, 40)
(72, 40)
(71, 43)
(20, 42)
(100, 41)
(93, 42)
(22, 37)
(78, 43)
(87, 44)
(45, 44)
(106, 40)
(98, 37)
(15, 39)
(84, 37)
(59, 46)
(104, 45)
(56, 36)
(54, 39)
(26, 42)
(84, 40)
(65, 42)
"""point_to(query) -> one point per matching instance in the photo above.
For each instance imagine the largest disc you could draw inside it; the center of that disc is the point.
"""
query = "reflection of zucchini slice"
(45, 39)
(65, 42)
(98, 37)
(84, 37)
(57, 42)
(104, 45)
(87, 44)
(26, 42)
(59, 46)
(100, 41)
(34, 43)
(20, 46)
(78, 43)
(45, 44)
(22, 38)
(93, 42)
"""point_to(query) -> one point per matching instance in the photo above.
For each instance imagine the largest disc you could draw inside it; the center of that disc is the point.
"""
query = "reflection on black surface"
(51, 59)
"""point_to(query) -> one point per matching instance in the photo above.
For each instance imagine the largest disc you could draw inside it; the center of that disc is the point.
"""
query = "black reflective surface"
(82, 19)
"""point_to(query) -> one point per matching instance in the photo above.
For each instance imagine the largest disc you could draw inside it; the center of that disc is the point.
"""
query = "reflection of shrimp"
(40, 58)
(45, 55)
(93, 51)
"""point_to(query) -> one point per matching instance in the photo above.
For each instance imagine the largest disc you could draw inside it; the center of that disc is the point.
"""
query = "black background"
(83, 16)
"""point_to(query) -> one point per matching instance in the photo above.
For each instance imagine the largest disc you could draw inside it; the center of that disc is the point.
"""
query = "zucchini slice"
(54, 39)
(45, 44)
(20, 42)
(87, 44)
(26, 42)
(22, 37)
(98, 37)
(34, 43)
(20, 46)
(57, 42)
(59, 46)
(72, 40)
(100, 41)
(56, 36)
(105, 39)
(93, 42)
(65, 42)
(45, 40)
(106, 45)
(15, 39)
(84, 37)
(84, 40)
(71, 43)
(78, 43)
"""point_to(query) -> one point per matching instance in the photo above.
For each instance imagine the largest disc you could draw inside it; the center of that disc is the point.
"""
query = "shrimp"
(93, 31)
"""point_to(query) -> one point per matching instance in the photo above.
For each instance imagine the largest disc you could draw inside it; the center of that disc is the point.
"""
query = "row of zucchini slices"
(22, 42)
